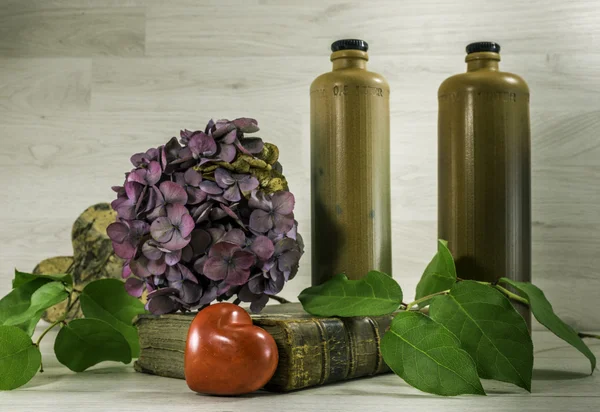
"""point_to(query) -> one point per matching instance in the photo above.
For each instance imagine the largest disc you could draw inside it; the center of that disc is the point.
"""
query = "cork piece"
(93, 256)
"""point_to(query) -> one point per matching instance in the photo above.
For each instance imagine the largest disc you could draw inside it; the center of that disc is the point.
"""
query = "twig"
(511, 295)
(588, 335)
(424, 298)
(279, 299)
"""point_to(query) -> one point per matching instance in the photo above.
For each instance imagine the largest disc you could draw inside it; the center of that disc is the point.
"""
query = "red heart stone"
(225, 354)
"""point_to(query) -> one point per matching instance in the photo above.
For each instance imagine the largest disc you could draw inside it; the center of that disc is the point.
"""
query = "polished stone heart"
(226, 354)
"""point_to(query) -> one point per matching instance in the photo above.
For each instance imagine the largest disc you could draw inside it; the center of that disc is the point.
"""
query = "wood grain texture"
(71, 31)
(392, 27)
(561, 382)
(85, 84)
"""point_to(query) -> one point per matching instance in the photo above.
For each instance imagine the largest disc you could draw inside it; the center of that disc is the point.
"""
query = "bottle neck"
(482, 61)
(349, 59)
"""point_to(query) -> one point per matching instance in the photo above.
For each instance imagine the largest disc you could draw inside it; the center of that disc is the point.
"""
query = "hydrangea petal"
(176, 214)
(233, 194)
(150, 250)
(260, 221)
(223, 250)
(237, 275)
(246, 125)
(177, 242)
(246, 183)
(124, 250)
(257, 305)
(173, 193)
(256, 284)
(190, 293)
(215, 268)
(153, 173)
(210, 187)
(195, 195)
(227, 153)
(134, 286)
(283, 203)
(253, 145)
(202, 144)
(223, 178)
(162, 229)
(117, 232)
(273, 287)
(230, 137)
(286, 262)
(263, 248)
(126, 271)
(282, 223)
(139, 267)
(258, 200)
(157, 267)
(161, 305)
(235, 236)
(172, 258)
(209, 294)
(243, 259)
(192, 177)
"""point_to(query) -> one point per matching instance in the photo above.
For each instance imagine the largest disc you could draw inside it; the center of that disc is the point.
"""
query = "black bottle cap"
(483, 46)
(349, 44)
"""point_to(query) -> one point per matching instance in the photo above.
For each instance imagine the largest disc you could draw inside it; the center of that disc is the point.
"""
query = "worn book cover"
(312, 351)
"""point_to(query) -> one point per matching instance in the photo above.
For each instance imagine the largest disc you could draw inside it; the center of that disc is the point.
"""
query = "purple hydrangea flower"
(126, 236)
(192, 234)
(148, 176)
(125, 205)
(227, 262)
(173, 230)
(234, 184)
(272, 212)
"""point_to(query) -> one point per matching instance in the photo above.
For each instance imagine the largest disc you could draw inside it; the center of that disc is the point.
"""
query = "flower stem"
(511, 295)
(424, 298)
(279, 299)
(61, 320)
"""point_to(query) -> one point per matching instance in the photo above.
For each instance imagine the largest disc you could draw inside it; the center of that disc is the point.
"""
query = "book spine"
(321, 351)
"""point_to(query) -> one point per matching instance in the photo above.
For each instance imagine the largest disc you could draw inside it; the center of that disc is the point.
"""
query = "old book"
(312, 351)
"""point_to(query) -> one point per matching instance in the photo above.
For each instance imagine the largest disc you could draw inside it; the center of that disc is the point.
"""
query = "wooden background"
(84, 84)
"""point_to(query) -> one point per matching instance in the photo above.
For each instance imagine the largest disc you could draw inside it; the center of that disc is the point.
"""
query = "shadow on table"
(554, 375)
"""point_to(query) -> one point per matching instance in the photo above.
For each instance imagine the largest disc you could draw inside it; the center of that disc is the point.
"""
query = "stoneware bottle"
(350, 167)
(484, 206)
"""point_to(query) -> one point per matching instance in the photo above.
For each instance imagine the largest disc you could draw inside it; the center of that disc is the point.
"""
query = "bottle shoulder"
(350, 76)
(484, 80)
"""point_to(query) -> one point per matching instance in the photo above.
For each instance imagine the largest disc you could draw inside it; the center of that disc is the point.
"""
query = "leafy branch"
(471, 331)
(105, 333)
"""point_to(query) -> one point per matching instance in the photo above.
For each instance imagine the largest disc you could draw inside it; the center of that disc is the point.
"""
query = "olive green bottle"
(484, 200)
(350, 167)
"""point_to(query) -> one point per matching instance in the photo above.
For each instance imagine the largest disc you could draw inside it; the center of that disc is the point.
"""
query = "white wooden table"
(561, 382)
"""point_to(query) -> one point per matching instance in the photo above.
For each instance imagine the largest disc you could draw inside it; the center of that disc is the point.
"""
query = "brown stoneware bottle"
(350, 167)
(484, 200)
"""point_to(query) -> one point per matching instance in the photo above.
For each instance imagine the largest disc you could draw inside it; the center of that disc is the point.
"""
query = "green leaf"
(543, 312)
(83, 343)
(22, 277)
(46, 296)
(20, 359)
(19, 301)
(439, 275)
(489, 329)
(429, 357)
(107, 300)
(375, 294)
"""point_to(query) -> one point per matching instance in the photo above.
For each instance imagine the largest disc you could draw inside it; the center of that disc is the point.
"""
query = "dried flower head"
(206, 218)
